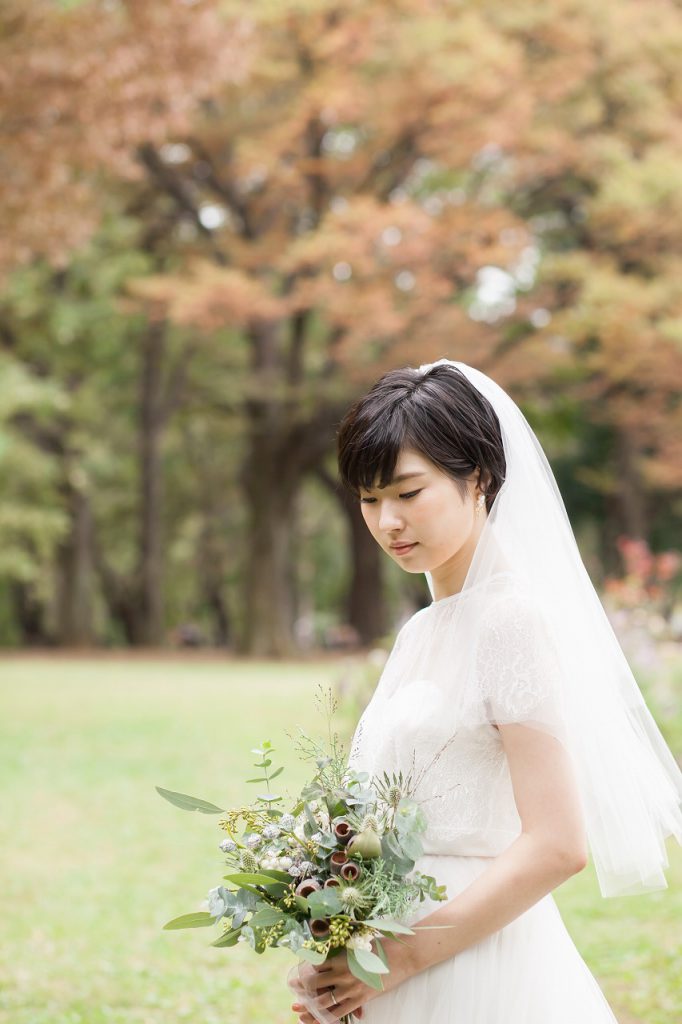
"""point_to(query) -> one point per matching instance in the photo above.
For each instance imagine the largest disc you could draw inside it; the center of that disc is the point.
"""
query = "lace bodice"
(418, 722)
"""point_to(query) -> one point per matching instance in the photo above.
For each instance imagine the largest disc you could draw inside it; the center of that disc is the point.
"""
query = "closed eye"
(409, 494)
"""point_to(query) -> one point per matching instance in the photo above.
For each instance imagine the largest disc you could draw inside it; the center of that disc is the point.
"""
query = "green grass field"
(94, 861)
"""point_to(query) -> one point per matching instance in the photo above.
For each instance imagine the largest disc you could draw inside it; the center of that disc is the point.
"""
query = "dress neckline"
(441, 601)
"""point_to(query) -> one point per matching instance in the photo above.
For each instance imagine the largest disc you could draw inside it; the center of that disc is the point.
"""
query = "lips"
(402, 547)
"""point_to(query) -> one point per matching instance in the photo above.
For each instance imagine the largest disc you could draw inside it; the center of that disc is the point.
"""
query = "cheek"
(444, 519)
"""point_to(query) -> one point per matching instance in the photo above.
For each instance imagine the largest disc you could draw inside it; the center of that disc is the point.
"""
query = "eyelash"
(409, 494)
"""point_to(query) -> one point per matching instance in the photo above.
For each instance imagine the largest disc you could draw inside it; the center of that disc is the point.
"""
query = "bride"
(510, 702)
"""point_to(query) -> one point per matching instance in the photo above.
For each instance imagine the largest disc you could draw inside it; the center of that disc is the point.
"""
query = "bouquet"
(334, 872)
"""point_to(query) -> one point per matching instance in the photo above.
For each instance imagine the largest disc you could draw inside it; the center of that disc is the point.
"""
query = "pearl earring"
(479, 504)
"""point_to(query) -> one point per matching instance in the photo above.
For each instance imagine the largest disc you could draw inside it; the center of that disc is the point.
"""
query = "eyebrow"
(400, 477)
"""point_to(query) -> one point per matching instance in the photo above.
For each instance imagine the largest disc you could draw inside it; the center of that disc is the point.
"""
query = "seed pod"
(320, 928)
(307, 886)
(343, 832)
(350, 871)
(367, 844)
(337, 859)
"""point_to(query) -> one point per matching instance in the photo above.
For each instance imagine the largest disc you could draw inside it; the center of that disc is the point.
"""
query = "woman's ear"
(482, 478)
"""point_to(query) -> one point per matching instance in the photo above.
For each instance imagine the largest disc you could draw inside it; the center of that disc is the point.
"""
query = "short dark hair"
(438, 413)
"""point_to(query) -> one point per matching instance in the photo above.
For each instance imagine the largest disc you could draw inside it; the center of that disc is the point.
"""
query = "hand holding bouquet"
(329, 875)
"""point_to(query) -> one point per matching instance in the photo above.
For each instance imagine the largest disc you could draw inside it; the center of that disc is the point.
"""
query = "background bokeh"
(221, 222)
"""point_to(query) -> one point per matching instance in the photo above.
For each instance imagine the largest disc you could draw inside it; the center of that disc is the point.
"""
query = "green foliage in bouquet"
(334, 872)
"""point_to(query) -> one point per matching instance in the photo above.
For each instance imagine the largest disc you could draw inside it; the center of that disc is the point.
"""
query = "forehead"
(409, 465)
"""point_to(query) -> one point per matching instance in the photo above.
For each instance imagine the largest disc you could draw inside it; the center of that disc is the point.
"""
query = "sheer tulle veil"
(630, 783)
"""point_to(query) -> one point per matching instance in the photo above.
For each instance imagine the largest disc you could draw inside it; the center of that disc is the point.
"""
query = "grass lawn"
(95, 861)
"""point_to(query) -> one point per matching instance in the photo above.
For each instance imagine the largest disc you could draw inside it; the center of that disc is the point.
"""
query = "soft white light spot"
(405, 280)
(540, 317)
(495, 295)
(212, 216)
(433, 205)
(340, 142)
(342, 271)
(175, 152)
(391, 236)
(457, 196)
(338, 204)
(487, 156)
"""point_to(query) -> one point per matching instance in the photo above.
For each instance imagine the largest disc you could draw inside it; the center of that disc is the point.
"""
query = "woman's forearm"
(520, 876)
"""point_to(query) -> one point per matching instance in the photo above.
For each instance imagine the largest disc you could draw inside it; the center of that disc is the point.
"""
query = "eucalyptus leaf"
(386, 925)
(198, 920)
(266, 917)
(323, 903)
(243, 878)
(228, 938)
(188, 803)
(311, 955)
(370, 961)
(356, 968)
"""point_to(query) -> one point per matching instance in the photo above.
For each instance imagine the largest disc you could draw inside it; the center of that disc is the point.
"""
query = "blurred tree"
(597, 178)
(329, 250)
(324, 192)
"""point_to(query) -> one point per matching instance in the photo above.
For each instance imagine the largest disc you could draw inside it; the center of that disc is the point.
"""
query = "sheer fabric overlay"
(526, 641)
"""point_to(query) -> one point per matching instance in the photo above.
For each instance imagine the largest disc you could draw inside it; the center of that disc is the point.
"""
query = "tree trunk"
(74, 574)
(365, 604)
(150, 625)
(29, 614)
(631, 494)
(269, 604)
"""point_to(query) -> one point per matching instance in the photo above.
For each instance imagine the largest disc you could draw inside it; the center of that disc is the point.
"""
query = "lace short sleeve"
(518, 674)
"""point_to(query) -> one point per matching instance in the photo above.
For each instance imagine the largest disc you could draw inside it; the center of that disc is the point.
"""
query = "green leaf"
(264, 764)
(311, 955)
(198, 920)
(278, 876)
(356, 968)
(188, 803)
(386, 925)
(262, 878)
(257, 780)
(228, 938)
(278, 772)
(381, 952)
(266, 917)
(370, 961)
(323, 903)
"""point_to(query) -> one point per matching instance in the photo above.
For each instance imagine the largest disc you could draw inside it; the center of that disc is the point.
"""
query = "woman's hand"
(350, 993)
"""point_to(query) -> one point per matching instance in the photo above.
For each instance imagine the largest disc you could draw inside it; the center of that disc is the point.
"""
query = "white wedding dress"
(528, 972)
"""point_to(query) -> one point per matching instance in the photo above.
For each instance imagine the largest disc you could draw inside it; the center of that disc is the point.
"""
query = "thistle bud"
(249, 861)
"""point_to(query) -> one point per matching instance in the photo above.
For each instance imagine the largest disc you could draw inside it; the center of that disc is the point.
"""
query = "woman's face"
(423, 507)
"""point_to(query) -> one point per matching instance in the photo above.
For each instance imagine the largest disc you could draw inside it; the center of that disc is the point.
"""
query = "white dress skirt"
(528, 972)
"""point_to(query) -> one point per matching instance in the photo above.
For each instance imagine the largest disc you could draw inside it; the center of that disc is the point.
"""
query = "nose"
(389, 517)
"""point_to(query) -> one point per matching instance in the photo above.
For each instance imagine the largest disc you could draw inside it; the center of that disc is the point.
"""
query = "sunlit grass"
(95, 861)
